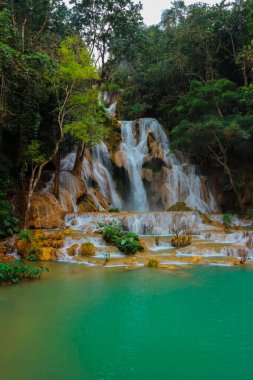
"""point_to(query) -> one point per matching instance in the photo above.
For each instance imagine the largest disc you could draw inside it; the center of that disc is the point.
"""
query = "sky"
(152, 9)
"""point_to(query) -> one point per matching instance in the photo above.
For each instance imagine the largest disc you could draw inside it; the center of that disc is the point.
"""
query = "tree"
(88, 123)
(74, 72)
(103, 23)
(210, 122)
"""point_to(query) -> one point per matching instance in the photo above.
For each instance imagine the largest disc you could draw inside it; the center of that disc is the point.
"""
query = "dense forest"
(193, 72)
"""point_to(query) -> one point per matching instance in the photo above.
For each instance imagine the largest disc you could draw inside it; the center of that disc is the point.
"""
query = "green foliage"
(113, 209)
(75, 63)
(153, 263)
(8, 222)
(180, 206)
(26, 235)
(227, 220)
(87, 116)
(249, 213)
(126, 242)
(110, 231)
(116, 22)
(33, 253)
(17, 271)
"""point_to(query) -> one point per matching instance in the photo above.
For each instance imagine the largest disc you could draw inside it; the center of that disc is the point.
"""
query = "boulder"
(87, 249)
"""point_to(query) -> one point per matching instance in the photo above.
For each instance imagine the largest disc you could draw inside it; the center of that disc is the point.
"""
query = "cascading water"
(133, 153)
(175, 180)
(157, 178)
(102, 170)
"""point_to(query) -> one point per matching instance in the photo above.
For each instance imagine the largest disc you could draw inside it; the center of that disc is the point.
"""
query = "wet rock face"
(46, 211)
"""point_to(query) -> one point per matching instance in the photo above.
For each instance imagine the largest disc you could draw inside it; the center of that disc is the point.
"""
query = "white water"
(143, 143)
(102, 169)
(180, 183)
(152, 223)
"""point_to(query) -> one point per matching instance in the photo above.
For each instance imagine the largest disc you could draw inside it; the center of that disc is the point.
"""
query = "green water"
(93, 324)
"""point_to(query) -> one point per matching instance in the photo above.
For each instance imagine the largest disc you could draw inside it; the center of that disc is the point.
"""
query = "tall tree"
(103, 22)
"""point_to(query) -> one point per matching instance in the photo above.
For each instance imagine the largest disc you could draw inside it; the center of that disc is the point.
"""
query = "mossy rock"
(50, 243)
(153, 263)
(181, 241)
(87, 249)
(3, 249)
(205, 218)
(5, 259)
(180, 206)
(72, 251)
(23, 247)
(48, 254)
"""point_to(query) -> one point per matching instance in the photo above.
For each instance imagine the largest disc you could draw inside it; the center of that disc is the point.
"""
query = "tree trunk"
(29, 199)
(23, 33)
(233, 185)
(77, 169)
(57, 175)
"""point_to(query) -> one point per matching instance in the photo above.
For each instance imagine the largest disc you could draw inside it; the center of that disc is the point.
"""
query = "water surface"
(82, 323)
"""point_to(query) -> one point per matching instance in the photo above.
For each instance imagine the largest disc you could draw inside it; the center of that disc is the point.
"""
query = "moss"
(153, 263)
(180, 206)
(87, 249)
(23, 247)
(72, 250)
(113, 139)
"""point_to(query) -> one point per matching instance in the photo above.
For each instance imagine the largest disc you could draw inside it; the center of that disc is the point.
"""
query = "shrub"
(227, 220)
(128, 245)
(181, 241)
(126, 242)
(249, 213)
(33, 253)
(113, 209)
(26, 235)
(110, 231)
(14, 272)
(180, 206)
(153, 263)
(8, 222)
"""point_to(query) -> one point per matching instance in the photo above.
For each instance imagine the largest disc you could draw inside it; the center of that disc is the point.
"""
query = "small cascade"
(152, 223)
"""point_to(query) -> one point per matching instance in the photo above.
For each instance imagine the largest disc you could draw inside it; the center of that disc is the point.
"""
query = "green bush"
(33, 253)
(227, 220)
(113, 209)
(126, 242)
(8, 222)
(110, 231)
(179, 206)
(17, 271)
(249, 213)
(128, 245)
(26, 235)
(153, 263)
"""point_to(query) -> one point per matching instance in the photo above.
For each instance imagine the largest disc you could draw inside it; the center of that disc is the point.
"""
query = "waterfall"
(102, 171)
(176, 181)
(133, 153)
(157, 178)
